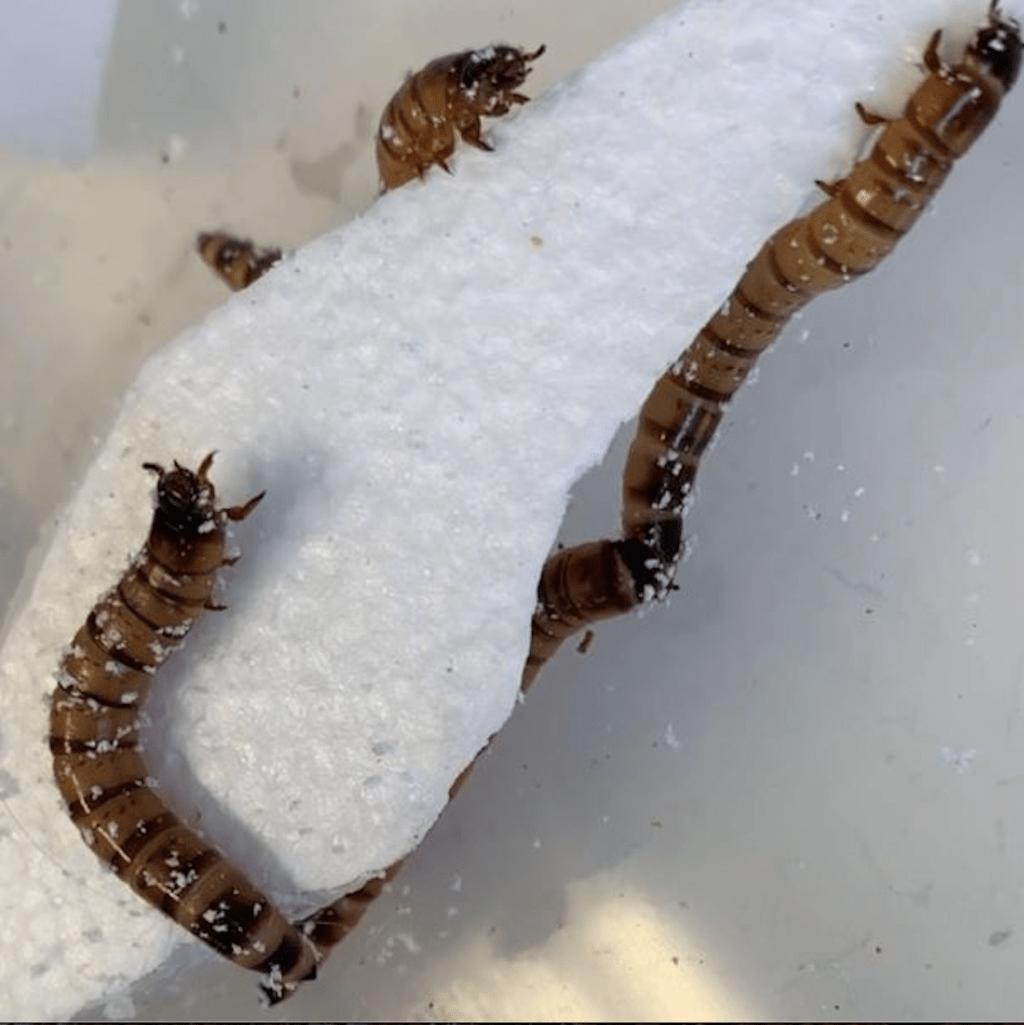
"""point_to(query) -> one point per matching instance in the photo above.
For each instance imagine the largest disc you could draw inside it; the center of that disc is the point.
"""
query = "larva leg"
(870, 117)
(239, 512)
(470, 127)
(931, 58)
(445, 147)
(204, 467)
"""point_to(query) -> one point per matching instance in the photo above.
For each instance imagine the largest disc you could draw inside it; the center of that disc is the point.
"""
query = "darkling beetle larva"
(448, 96)
(848, 234)
(102, 683)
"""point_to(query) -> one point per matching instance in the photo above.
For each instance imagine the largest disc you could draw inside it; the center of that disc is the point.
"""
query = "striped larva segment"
(846, 235)
(237, 261)
(419, 125)
(102, 683)
(578, 586)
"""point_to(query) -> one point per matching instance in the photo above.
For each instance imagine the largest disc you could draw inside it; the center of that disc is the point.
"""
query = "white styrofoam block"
(416, 392)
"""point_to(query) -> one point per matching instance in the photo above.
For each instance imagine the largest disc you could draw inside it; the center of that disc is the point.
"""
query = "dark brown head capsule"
(184, 500)
(998, 48)
(489, 78)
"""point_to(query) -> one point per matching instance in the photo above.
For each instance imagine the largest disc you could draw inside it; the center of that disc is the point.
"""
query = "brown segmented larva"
(419, 125)
(237, 261)
(845, 236)
(102, 684)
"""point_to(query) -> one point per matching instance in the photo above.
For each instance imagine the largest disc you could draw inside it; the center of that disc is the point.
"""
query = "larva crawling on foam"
(444, 100)
(847, 235)
(103, 680)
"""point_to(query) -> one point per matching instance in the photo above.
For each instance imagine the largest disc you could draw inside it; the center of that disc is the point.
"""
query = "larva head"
(998, 47)
(489, 77)
(185, 501)
(219, 249)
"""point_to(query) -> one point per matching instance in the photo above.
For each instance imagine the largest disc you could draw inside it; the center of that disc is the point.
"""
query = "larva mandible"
(237, 261)
(848, 234)
(102, 683)
(419, 124)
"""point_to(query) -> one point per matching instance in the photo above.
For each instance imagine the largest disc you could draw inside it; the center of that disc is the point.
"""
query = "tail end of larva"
(271, 996)
(275, 989)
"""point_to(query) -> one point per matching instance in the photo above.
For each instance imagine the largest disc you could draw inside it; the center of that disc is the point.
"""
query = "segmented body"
(578, 586)
(447, 98)
(845, 236)
(103, 681)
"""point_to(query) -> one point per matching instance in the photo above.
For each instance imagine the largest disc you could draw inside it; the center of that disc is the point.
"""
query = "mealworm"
(419, 124)
(848, 234)
(237, 261)
(103, 680)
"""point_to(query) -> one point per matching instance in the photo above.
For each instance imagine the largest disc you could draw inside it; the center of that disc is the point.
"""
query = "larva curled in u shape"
(103, 680)
(444, 100)
(847, 235)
